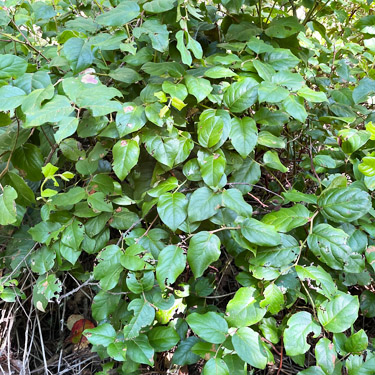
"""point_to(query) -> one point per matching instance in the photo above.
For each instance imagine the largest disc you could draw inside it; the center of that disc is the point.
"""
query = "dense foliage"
(205, 169)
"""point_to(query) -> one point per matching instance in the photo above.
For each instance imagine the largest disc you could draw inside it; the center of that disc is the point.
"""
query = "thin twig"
(221, 296)
(128, 231)
(42, 342)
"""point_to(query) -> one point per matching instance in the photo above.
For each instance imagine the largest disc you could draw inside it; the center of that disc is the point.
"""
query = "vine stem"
(224, 228)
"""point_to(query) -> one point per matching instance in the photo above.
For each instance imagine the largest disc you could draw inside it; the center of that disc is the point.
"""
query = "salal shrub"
(205, 167)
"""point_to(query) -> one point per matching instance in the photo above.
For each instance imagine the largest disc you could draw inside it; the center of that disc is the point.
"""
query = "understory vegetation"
(186, 187)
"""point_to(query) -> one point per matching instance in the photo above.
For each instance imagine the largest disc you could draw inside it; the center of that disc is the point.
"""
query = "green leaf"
(215, 366)
(29, 159)
(67, 127)
(172, 209)
(295, 108)
(243, 135)
(163, 338)
(330, 245)
(367, 167)
(171, 263)
(287, 219)
(365, 88)
(99, 203)
(273, 299)
(203, 204)
(258, 45)
(156, 31)
(209, 326)
(338, 314)
(344, 204)
(247, 175)
(284, 27)
(297, 196)
(311, 95)
(270, 93)
(243, 309)
(8, 211)
(325, 354)
(267, 139)
(198, 87)
(292, 81)
(120, 15)
(249, 347)
(125, 75)
(271, 160)
(78, 53)
(11, 97)
(159, 6)
(25, 194)
(125, 157)
(139, 350)
(12, 66)
(104, 334)
(233, 200)
(265, 71)
(240, 96)
(144, 315)
(45, 231)
(183, 355)
(109, 268)
(322, 278)
(219, 72)
(300, 325)
(210, 128)
(352, 139)
(357, 342)
(281, 59)
(185, 54)
(259, 233)
(204, 248)
(212, 169)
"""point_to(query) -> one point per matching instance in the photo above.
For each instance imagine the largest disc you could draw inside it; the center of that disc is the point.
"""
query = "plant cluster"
(204, 168)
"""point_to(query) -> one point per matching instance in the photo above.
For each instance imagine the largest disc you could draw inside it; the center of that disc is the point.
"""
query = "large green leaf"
(330, 245)
(11, 97)
(249, 347)
(284, 27)
(204, 249)
(243, 135)
(203, 204)
(326, 355)
(12, 66)
(171, 263)
(240, 96)
(172, 209)
(199, 87)
(8, 212)
(122, 14)
(300, 325)
(139, 350)
(215, 366)
(210, 128)
(79, 54)
(212, 169)
(163, 338)
(109, 268)
(104, 334)
(243, 309)
(287, 219)
(259, 233)
(339, 313)
(125, 157)
(209, 326)
(344, 204)
(144, 315)
(159, 6)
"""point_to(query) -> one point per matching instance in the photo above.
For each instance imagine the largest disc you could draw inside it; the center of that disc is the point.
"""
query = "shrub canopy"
(205, 168)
